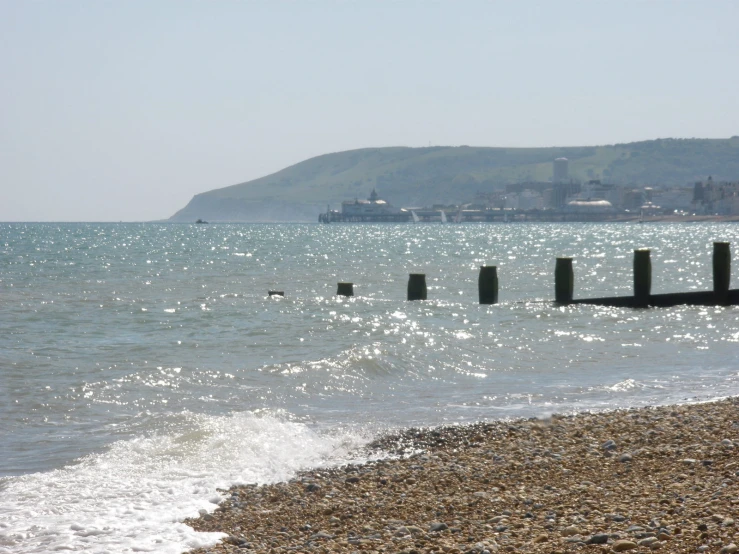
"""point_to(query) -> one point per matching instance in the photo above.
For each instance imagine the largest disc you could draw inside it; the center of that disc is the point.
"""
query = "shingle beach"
(638, 480)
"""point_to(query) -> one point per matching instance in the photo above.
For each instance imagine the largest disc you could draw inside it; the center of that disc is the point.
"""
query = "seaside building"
(633, 199)
(673, 199)
(554, 195)
(561, 170)
(710, 197)
(596, 190)
(590, 207)
(372, 209)
(525, 200)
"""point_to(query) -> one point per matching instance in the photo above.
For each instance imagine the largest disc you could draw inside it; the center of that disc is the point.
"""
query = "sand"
(638, 480)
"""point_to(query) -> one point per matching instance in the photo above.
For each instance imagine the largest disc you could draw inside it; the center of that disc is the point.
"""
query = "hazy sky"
(123, 110)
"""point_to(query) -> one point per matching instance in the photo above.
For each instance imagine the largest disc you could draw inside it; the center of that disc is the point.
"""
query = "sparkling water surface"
(144, 365)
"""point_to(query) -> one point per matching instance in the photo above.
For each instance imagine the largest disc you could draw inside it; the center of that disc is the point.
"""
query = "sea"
(144, 368)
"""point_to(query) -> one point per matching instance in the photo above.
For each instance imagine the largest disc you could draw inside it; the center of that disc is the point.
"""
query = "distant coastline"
(663, 172)
(681, 219)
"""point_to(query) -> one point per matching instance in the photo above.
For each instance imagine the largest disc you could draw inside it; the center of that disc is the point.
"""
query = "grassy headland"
(440, 174)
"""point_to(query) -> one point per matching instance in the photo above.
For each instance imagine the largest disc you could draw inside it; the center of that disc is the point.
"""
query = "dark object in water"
(487, 284)
(345, 289)
(564, 281)
(201, 222)
(417, 286)
(276, 292)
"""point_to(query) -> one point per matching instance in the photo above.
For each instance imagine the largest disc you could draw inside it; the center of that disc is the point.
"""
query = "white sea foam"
(134, 496)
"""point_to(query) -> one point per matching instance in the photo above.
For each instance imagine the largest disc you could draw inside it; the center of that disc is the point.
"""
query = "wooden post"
(642, 277)
(345, 289)
(721, 272)
(564, 281)
(276, 293)
(417, 286)
(487, 284)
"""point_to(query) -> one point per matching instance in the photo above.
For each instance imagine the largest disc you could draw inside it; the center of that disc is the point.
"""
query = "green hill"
(451, 175)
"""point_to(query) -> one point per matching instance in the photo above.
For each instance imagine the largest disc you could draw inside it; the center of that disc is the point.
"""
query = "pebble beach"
(640, 480)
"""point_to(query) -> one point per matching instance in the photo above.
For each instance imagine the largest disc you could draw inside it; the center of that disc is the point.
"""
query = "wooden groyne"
(564, 285)
(721, 295)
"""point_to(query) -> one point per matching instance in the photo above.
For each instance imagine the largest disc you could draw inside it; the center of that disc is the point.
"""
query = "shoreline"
(643, 479)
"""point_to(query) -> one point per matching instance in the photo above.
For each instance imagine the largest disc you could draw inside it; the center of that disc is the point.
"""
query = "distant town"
(561, 199)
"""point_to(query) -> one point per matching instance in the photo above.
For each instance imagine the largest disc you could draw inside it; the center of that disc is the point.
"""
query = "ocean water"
(144, 366)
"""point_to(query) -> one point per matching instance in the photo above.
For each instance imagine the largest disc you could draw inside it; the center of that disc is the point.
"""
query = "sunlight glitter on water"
(115, 335)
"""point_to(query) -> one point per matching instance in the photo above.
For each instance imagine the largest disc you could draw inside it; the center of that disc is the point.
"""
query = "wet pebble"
(534, 487)
(622, 545)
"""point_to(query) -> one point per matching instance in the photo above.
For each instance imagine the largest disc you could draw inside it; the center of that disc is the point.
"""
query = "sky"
(123, 110)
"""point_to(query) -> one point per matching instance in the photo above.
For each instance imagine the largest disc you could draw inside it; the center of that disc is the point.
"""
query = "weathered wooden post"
(345, 289)
(487, 284)
(276, 293)
(721, 272)
(417, 286)
(642, 277)
(564, 281)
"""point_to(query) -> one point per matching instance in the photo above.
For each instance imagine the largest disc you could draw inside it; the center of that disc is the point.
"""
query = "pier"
(503, 215)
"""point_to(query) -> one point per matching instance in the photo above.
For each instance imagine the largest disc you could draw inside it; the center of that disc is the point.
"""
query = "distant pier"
(510, 216)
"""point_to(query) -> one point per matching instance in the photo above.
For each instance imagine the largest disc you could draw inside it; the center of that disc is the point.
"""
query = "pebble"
(600, 538)
(322, 535)
(533, 488)
(623, 545)
(437, 526)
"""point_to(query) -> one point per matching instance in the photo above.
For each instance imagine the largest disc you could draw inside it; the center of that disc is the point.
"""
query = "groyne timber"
(564, 285)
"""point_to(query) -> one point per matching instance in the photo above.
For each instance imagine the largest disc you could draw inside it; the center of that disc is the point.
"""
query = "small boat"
(443, 217)
(201, 222)
(415, 217)
(458, 217)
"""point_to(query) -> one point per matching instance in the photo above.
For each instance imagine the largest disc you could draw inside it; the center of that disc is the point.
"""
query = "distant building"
(673, 199)
(372, 209)
(590, 206)
(524, 200)
(710, 197)
(633, 199)
(561, 170)
(553, 195)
